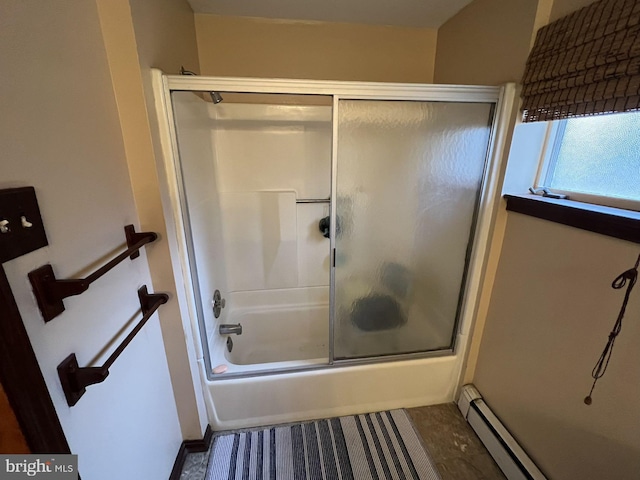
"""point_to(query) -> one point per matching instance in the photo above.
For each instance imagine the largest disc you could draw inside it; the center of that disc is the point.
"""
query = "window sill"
(613, 222)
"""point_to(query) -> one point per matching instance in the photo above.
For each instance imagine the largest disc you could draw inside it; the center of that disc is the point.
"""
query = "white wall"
(60, 132)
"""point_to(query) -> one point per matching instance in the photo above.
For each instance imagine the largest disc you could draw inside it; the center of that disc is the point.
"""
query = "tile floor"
(455, 448)
(195, 466)
(453, 445)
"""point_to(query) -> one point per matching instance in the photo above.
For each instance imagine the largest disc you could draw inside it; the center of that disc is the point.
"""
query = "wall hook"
(25, 223)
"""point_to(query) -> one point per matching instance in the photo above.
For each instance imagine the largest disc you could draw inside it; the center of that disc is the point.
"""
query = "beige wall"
(60, 132)
(564, 7)
(248, 47)
(165, 34)
(551, 312)
(486, 43)
(138, 35)
(166, 39)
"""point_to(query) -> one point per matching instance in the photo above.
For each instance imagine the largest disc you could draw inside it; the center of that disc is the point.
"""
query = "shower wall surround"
(243, 168)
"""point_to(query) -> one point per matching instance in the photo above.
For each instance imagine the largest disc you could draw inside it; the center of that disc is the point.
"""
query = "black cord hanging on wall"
(629, 279)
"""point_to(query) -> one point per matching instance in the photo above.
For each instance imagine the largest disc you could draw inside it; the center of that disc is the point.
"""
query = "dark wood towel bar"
(50, 292)
(75, 379)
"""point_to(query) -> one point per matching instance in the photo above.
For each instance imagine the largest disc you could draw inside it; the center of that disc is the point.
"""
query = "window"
(596, 159)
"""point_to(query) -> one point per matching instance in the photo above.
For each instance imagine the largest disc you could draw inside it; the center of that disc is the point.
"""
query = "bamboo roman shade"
(586, 63)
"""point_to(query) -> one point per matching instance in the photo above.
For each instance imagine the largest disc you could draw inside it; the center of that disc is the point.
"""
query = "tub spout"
(230, 329)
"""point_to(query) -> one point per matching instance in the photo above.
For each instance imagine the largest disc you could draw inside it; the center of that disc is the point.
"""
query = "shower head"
(215, 96)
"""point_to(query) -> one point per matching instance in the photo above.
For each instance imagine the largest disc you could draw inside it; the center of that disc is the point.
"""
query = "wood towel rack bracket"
(50, 292)
(74, 379)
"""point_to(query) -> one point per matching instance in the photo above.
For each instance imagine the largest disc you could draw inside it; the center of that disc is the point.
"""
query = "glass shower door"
(408, 180)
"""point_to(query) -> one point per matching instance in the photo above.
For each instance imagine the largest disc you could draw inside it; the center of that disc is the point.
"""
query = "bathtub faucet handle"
(218, 303)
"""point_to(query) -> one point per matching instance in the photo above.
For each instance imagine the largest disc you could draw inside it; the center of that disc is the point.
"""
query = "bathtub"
(285, 334)
(281, 329)
(289, 329)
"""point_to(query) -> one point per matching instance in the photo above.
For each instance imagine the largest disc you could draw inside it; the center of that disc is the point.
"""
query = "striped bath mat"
(376, 446)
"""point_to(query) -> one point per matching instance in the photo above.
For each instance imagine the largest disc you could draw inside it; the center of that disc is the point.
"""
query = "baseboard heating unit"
(505, 450)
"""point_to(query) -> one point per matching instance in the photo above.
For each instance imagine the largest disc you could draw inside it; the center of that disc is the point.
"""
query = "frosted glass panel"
(408, 179)
(599, 155)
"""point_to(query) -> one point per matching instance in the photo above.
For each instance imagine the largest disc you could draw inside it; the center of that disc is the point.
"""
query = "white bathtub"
(285, 329)
(280, 329)
(270, 335)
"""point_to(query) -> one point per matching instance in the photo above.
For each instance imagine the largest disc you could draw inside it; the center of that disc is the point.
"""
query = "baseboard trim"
(514, 462)
(187, 447)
